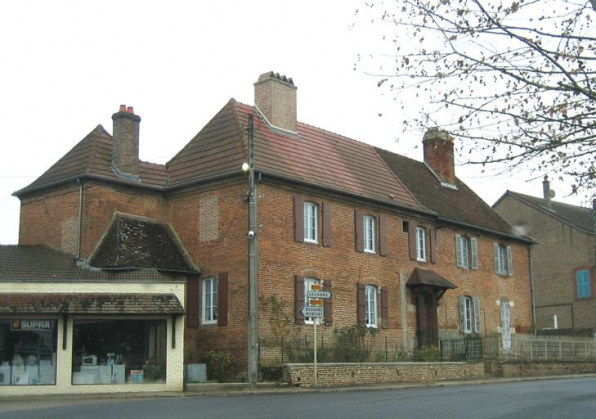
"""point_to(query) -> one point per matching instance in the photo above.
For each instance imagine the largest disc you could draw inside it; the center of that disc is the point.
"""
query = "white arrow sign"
(313, 311)
(318, 294)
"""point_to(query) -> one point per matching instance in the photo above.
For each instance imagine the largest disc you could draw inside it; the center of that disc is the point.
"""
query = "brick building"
(404, 246)
(564, 259)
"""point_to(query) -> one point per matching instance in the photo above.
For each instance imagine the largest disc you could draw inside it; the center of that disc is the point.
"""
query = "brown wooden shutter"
(383, 235)
(222, 299)
(385, 307)
(192, 301)
(361, 303)
(298, 299)
(433, 244)
(359, 230)
(326, 224)
(328, 303)
(299, 218)
(412, 240)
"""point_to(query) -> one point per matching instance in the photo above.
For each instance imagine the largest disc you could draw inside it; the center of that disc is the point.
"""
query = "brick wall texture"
(212, 221)
(560, 249)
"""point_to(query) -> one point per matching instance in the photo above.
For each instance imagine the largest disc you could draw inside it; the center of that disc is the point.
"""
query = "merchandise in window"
(28, 352)
(119, 351)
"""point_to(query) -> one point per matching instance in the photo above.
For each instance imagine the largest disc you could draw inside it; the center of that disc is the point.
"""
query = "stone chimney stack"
(275, 97)
(125, 155)
(546, 192)
(438, 154)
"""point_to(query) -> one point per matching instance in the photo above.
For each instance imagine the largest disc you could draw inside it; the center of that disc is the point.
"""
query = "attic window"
(405, 226)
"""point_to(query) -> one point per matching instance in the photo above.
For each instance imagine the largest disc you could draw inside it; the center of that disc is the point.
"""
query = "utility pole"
(253, 299)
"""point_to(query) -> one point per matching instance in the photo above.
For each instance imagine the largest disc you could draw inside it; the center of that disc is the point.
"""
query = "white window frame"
(466, 252)
(503, 256)
(467, 313)
(311, 222)
(371, 300)
(368, 230)
(470, 314)
(420, 244)
(209, 291)
(308, 282)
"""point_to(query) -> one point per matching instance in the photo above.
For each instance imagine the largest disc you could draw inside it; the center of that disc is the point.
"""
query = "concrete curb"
(240, 389)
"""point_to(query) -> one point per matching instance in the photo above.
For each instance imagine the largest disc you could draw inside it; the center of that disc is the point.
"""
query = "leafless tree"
(513, 80)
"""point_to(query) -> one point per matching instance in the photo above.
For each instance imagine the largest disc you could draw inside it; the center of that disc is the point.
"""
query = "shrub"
(354, 343)
(219, 365)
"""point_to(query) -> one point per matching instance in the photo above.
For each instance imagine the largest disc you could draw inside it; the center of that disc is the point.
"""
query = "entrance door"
(427, 331)
(506, 325)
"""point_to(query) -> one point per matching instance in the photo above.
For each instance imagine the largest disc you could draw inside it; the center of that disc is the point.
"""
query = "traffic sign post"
(316, 311)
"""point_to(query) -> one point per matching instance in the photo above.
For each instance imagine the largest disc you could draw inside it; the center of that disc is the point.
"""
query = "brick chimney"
(547, 193)
(275, 97)
(125, 155)
(438, 154)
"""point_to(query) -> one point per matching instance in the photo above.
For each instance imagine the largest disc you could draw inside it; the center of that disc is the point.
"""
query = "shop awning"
(104, 304)
(421, 277)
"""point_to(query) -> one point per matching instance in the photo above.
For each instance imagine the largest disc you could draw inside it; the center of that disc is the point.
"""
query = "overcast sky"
(66, 66)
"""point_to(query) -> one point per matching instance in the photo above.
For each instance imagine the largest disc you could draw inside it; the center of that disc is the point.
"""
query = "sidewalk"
(241, 389)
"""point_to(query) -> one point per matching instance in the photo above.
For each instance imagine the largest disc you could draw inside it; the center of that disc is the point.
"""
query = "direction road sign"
(318, 294)
(313, 311)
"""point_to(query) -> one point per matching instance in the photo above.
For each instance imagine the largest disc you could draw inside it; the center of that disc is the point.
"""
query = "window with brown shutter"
(192, 301)
(222, 299)
(326, 224)
(299, 218)
(433, 245)
(358, 230)
(361, 304)
(328, 303)
(383, 235)
(298, 299)
(412, 240)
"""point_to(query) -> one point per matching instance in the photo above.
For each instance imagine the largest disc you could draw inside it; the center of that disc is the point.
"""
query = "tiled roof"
(459, 205)
(580, 217)
(315, 156)
(89, 304)
(43, 264)
(92, 157)
(139, 242)
(427, 277)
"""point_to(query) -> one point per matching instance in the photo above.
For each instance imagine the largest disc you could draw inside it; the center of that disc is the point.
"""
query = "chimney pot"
(125, 150)
(275, 98)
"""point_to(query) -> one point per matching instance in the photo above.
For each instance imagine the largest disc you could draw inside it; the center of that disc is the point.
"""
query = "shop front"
(60, 343)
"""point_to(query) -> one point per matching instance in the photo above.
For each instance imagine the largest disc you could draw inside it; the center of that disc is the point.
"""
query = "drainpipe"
(79, 228)
(532, 290)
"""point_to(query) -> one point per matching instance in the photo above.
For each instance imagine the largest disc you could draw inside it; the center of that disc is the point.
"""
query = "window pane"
(209, 300)
(371, 306)
(584, 289)
(28, 351)
(464, 252)
(310, 221)
(369, 233)
(420, 244)
(119, 351)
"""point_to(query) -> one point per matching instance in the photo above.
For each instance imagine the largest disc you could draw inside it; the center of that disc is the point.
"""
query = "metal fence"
(473, 349)
(540, 348)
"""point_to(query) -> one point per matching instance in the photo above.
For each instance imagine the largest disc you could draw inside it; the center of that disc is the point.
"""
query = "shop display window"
(28, 352)
(119, 351)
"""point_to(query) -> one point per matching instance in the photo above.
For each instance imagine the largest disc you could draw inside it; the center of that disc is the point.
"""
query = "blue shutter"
(584, 288)
(474, 244)
(458, 256)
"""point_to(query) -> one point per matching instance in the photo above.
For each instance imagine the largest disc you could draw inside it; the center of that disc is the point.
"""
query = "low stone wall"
(339, 374)
(538, 368)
